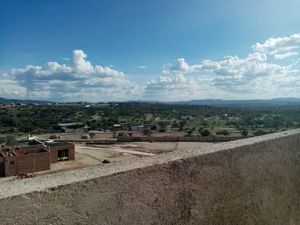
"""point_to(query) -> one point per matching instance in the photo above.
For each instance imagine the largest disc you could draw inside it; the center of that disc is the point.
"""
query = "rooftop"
(13, 187)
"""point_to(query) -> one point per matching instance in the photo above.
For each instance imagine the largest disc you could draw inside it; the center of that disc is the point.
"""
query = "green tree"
(190, 132)
(10, 141)
(147, 133)
(205, 133)
(223, 132)
(259, 132)
(244, 132)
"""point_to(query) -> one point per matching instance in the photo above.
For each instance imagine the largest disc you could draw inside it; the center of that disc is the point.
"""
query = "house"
(73, 127)
(34, 157)
(137, 128)
(61, 151)
(23, 160)
(148, 127)
(161, 128)
(6, 106)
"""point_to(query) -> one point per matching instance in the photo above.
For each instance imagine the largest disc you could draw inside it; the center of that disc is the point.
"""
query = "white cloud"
(142, 67)
(11, 89)
(168, 87)
(182, 66)
(271, 69)
(253, 76)
(280, 47)
(285, 55)
(79, 81)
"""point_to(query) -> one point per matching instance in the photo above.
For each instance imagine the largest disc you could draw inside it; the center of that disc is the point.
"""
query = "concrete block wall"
(247, 182)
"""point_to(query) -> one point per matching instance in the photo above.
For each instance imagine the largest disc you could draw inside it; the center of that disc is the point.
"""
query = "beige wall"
(252, 184)
(177, 138)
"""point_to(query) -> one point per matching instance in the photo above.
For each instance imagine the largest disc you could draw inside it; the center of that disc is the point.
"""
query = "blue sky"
(145, 44)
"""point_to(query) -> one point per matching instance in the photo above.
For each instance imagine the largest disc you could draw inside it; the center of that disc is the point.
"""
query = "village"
(76, 146)
(44, 138)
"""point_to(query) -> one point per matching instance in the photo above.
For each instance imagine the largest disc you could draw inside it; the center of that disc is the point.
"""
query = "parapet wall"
(210, 138)
(253, 181)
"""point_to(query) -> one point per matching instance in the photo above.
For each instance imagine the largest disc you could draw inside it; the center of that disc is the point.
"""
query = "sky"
(163, 50)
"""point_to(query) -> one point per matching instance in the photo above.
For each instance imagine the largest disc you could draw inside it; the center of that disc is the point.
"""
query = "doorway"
(63, 155)
(2, 169)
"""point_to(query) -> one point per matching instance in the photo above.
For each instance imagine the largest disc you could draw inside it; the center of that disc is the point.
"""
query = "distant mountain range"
(212, 102)
(222, 102)
(20, 101)
(219, 102)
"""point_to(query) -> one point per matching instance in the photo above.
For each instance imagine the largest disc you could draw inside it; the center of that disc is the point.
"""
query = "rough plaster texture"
(254, 181)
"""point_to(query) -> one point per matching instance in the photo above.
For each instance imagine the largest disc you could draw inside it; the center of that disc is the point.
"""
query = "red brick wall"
(54, 149)
(10, 169)
(34, 162)
(72, 152)
(28, 163)
(42, 161)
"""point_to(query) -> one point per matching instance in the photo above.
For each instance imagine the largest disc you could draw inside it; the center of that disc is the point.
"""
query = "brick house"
(61, 151)
(33, 158)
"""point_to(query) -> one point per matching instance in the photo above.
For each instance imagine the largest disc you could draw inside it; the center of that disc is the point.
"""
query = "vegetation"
(205, 133)
(9, 141)
(192, 119)
(223, 132)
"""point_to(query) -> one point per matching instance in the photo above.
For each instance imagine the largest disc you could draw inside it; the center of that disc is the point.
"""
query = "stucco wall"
(247, 182)
(210, 138)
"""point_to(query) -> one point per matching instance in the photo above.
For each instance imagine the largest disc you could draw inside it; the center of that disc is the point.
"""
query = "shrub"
(244, 132)
(223, 132)
(205, 133)
(259, 132)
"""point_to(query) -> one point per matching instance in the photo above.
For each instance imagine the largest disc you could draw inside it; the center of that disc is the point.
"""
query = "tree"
(200, 130)
(259, 132)
(205, 133)
(189, 132)
(10, 141)
(223, 132)
(244, 132)
(147, 133)
(181, 125)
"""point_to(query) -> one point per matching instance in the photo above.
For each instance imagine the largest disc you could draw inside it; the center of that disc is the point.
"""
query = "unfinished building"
(34, 158)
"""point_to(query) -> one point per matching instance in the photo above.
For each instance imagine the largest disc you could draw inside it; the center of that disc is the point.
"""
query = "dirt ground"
(93, 154)
(89, 155)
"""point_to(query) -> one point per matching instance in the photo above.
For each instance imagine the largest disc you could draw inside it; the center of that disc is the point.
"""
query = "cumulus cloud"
(285, 55)
(254, 76)
(271, 69)
(280, 47)
(11, 89)
(79, 81)
(167, 87)
(182, 66)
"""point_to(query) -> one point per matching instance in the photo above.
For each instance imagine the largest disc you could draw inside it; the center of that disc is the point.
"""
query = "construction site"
(34, 156)
(43, 156)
